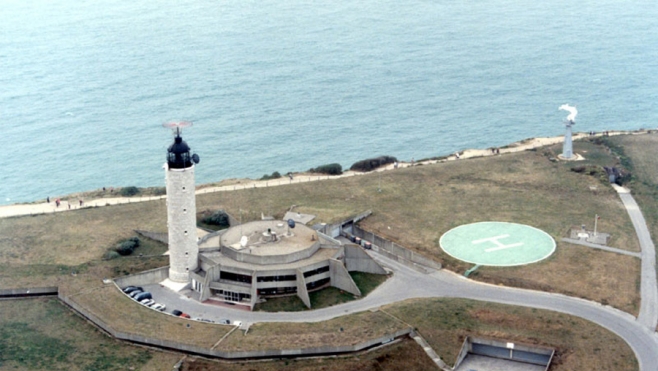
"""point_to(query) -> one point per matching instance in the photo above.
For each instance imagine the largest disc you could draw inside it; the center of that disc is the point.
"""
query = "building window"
(316, 271)
(223, 275)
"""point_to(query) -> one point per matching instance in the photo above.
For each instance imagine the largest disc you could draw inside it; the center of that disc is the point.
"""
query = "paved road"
(649, 292)
(407, 283)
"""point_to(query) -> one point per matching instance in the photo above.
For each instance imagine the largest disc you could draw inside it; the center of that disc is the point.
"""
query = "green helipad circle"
(497, 244)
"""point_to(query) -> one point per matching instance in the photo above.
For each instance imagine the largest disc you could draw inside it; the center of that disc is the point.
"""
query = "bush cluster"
(219, 218)
(127, 247)
(372, 163)
(329, 169)
(129, 191)
(274, 175)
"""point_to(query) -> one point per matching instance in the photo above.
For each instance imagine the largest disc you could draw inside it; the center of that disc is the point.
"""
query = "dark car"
(135, 293)
(143, 295)
(131, 289)
(176, 312)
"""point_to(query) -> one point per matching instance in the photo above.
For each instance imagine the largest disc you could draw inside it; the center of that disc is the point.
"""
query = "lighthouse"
(181, 207)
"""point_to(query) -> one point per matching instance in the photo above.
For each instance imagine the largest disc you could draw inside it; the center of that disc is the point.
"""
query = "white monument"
(181, 207)
(567, 148)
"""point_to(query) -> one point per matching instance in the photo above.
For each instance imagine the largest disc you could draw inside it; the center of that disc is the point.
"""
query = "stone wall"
(397, 252)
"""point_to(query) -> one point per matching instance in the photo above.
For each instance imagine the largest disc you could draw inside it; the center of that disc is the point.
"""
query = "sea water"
(289, 85)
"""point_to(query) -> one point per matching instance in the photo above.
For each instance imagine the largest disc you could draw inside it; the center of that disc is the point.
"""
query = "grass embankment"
(639, 154)
(42, 334)
(348, 330)
(444, 323)
(417, 205)
(326, 297)
(403, 356)
(125, 315)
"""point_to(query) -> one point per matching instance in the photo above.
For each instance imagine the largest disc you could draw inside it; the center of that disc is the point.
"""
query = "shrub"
(330, 169)
(111, 255)
(219, 218)
(127, 247)
(275, 175)
(129, 191)
(372, 163)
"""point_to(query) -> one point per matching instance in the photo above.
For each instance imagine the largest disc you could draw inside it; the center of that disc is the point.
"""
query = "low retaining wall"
(396, 252)
(265, 353)
(156, 275)
(161, 237)
(27, 292)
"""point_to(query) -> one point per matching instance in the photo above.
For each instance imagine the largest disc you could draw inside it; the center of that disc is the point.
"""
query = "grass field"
(579, 344)
(403, 356)
(444, 323)
(414, 208)
(42, 334)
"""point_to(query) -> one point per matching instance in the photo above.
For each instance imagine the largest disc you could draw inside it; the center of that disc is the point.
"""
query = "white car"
(148, 302)
(158, 306)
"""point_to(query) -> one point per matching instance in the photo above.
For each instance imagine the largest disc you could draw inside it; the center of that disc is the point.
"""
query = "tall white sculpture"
(567, 148)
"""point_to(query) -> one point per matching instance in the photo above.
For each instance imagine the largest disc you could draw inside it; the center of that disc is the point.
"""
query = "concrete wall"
(541, 356)
(209, 236)
(270, 259)
(143, 278)
(265, 353)
(395, 251)
(358, 260)
(29, 291)
(341, 279)
(302, 292)
(162, 237)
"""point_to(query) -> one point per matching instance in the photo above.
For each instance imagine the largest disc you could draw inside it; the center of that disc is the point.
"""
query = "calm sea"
(288, 85)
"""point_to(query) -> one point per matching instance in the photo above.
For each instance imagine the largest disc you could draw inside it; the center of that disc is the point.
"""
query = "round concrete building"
(268, 258)
(181, 210)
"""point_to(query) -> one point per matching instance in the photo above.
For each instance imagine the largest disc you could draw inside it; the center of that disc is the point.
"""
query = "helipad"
(497, 244)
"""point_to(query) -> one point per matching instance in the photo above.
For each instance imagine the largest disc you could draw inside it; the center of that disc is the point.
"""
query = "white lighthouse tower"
(181, 207)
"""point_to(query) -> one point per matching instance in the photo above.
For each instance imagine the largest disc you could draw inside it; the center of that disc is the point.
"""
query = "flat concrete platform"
(474, 362)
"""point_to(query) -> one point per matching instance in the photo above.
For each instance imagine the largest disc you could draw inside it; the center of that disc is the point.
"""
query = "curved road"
(407, 283)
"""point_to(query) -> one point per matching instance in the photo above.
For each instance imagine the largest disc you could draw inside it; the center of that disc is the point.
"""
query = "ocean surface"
(288, 85)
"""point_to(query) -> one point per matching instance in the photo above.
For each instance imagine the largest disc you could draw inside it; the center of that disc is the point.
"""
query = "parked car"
(148, 302)
(158, 306)
(135, 293)
(143, 295)
(237, 323)
(185, 315)
(176, 312)
(224, 322)
(130, 289)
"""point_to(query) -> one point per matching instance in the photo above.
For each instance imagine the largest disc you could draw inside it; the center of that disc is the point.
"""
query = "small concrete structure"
(269, 258)
(493, 355)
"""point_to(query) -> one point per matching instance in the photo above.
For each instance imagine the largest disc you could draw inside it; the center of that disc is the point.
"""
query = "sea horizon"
(286, 87)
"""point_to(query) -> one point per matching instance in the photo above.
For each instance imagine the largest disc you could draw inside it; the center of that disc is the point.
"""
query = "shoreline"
(37, 207)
